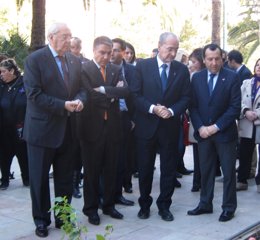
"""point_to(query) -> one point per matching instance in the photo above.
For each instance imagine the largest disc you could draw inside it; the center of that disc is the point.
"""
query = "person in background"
(76, 47)
(129, 55)
(196, 65)
(99, 130)
(12, 113)
(52, 79)
(235, 62)
(161, 94)
(249, 127)
(215, 106)
(154, 52)
(126, 149)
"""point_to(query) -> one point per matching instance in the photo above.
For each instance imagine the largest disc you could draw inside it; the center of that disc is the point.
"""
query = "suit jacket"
(46, 117)
(221, 108)
(147, 89)
(91, 120)
(244, 73)
(245, 127)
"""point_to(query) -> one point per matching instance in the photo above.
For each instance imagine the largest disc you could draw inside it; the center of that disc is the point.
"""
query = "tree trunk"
(216, 18)
(38, 24)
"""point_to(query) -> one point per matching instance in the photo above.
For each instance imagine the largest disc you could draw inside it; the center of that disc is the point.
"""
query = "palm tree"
(246, 35)
(216, 18)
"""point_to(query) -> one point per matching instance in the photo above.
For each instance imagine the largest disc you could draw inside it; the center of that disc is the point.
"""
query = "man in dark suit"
(52, 81)
(161, 94)
(215, 106)
(126, 151)
(99, 129)
(235, 62)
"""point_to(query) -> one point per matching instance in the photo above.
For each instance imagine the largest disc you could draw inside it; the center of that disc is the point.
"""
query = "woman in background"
(12, 109)
(129, 55)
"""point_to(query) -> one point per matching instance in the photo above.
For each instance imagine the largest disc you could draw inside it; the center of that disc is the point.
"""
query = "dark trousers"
(12, 146)
(146, 153)
(209, 149)
(40, 160)
(99, 159)
(124, 152)
(247, 146)
(196, 173)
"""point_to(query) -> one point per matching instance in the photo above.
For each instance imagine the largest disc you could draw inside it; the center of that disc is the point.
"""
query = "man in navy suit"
(99, 129)
(215, 106)
(161, 94)
(52, 80)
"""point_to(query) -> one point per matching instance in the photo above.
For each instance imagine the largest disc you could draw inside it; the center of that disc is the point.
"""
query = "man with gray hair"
(52, 79)
(161, 93)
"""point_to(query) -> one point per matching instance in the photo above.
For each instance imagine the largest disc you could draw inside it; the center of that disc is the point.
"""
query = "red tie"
(65, 71)
(103, 72)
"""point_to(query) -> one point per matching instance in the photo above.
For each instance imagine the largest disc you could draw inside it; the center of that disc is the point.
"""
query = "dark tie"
(164, 76)
(65, 71)
(210, 83)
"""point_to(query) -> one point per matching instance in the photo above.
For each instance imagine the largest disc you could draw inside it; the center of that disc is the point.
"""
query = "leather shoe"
(226, 216)
(41, 231)
(199, 211)
(93, 219)
(195, 188)
(178, 175)
(177, 184)
(144, 213)
(166, 215)
(185, 171)
(113, 213)
(128, 189)
(123, 201)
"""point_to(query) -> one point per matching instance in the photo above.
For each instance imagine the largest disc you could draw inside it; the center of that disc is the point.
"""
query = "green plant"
(68, 216)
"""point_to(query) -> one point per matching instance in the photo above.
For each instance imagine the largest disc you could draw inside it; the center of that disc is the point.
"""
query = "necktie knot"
(164, 66)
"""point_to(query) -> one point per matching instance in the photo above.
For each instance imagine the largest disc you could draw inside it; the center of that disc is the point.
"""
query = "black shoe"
(41, 231)
(166, 215)
(144, 213)
(195, 188)
(26, 182)
(4, 185)
(226, 216)
(11, 176)
(177, 184)
(76, 193)
(199, 211)
(178, 175)
(185, 171)
(113, 213)
(123, 201)
(128, 189)
(93, 218)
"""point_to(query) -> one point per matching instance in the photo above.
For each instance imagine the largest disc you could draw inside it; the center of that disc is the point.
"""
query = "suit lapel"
(154, 69)
(219, 84)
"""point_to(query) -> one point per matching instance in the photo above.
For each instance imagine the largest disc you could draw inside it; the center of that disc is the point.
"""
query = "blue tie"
(164, 76)
(210, 83)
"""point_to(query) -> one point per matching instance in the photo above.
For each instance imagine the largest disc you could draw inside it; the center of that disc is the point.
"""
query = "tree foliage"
(246, 34)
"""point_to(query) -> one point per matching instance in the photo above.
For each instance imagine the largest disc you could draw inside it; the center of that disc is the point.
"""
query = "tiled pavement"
(16, 221)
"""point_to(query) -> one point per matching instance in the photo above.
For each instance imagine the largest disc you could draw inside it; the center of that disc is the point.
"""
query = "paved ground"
(16, 221)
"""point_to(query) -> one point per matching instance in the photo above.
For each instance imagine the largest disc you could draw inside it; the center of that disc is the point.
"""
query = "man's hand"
(75, 105)
(120, 84)
(162, 111)
(212, 129)
(203, 131)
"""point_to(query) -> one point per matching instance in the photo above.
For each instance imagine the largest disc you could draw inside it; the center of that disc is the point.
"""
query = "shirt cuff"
(102, 89)
(151, 108)
(171, 111)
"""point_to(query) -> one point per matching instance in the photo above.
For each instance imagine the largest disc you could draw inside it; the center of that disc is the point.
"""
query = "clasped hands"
(162, 111)
(251, 115)
(74, 106)
(208, 131)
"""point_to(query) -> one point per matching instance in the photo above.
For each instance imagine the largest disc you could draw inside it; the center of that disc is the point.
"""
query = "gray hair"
(165, 35)
(102, 40)
(55, 28)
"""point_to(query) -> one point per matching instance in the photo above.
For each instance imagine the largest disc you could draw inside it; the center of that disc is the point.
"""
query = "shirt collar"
(160, 62)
